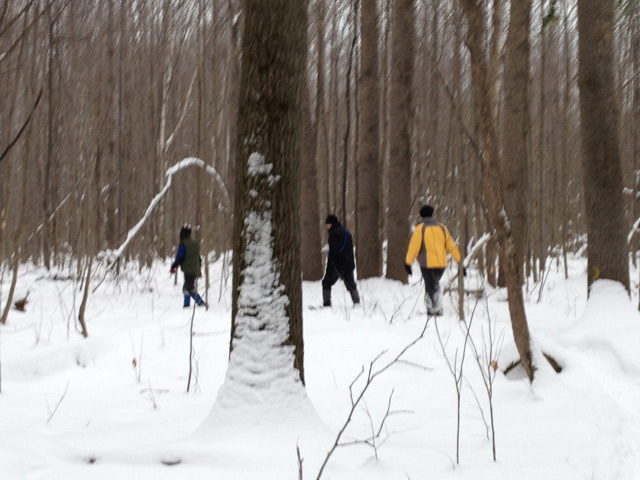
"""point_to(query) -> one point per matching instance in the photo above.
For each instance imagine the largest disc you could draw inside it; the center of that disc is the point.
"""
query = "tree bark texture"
(270, 123)
(400, 122)
(368, 245)
(516, 124)
(601, 164)
(492, 181)
(310, 206)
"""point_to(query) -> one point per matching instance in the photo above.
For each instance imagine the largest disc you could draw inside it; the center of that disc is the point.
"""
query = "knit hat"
(426, 211)
(331, 219)
(185, 231)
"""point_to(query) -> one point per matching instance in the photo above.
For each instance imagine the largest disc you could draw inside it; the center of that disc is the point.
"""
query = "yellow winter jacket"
(430, 243)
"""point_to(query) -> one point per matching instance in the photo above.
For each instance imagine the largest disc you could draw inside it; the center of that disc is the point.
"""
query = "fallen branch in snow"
(355, 401)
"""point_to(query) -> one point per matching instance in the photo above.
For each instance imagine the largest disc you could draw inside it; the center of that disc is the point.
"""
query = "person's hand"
(408, 269)
(173, 270)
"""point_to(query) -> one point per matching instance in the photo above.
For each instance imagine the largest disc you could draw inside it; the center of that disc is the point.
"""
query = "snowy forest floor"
(115, 405)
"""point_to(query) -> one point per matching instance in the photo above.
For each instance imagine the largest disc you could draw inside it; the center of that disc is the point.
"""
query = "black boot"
(355, 296)
(326, 298)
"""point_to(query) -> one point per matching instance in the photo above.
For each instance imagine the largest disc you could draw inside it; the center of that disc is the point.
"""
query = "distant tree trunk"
(49, 185)
(492, 181)
(601, 161)
(368, 246)
(347, 141)
(310, 214)
(400, 121)
(321, 115)
(12, 289)
(269, 125)
(516, 124)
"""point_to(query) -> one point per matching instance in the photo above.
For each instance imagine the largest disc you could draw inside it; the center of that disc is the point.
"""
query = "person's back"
(434, 244)
(191, 262)
(429, 244)
(341, 247)
(340, 263)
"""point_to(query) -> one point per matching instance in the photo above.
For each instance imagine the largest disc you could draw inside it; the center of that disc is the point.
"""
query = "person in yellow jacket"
(430, 243)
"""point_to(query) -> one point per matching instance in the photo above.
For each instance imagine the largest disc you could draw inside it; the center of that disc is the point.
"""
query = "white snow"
(260, 373)
(75, 408)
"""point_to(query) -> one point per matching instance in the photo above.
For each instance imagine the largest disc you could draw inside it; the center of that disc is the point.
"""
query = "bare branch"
(187, 162)
(355, 401)
(23, 128)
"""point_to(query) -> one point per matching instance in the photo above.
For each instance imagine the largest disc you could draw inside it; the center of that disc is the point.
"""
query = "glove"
(173, 270)
(408, 269)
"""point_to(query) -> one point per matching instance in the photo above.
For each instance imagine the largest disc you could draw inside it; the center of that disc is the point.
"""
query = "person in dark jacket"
(189, 260)
(340, 261)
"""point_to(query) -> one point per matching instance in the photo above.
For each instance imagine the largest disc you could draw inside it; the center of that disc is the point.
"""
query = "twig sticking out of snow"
(356, 400)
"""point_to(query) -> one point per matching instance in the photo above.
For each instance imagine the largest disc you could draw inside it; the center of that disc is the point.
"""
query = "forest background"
(101, 98)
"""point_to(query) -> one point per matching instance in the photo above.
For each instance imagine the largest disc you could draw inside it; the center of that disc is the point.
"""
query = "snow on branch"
(473, 251)
(181, 165)
(634, 229)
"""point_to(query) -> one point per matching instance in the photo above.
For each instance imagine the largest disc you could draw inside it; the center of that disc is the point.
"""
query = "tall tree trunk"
(492, 181)
(400, 121)
(269, 125)
(601, 161)
(368, 246)
(310, 214)
(516, 124)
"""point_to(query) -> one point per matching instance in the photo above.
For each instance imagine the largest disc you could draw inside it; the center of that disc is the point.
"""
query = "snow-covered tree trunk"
(266, 350)
(261, 364)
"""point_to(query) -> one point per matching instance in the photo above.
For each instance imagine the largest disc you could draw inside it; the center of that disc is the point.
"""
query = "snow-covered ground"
(115, 405)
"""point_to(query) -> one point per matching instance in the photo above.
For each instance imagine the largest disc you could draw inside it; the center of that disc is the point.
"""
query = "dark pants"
(331, 276)
(432, 278)
(190, 291)
(189, 287)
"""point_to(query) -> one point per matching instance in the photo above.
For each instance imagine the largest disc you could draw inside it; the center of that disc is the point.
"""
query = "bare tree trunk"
(49, 190)
(602, 171)
(516, 124)
(400, 121)
(368, 246)
(85, 298)
(492, 186)
(12, 289)
(310, 215)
